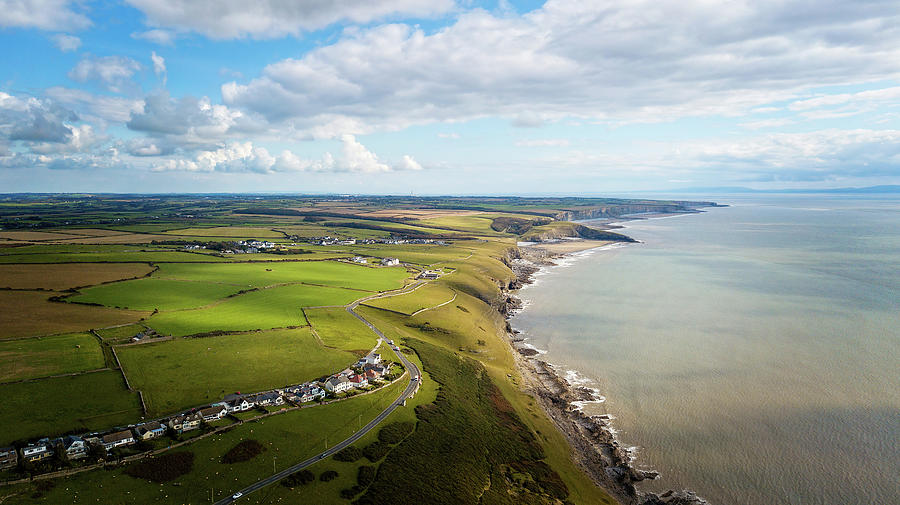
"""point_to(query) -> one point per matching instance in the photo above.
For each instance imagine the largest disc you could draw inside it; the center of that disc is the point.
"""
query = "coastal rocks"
(674, 498)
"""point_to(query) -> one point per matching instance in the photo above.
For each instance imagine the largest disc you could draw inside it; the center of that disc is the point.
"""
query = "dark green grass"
(51, 406)
(41, 357)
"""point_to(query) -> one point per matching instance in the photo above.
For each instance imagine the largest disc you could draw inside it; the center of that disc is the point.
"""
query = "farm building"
(390, 262)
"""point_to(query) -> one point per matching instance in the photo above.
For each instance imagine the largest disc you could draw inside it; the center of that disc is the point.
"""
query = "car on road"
(415, 377)
(237, 495)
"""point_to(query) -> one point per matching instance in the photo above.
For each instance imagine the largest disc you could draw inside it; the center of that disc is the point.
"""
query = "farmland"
(29, 358)
(275, 307)
(65, 276)
(28, 313)
(153, 293)
(185, 372)
(89, 401)
(325, 273)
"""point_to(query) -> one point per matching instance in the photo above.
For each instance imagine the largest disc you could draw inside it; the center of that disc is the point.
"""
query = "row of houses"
(368, 368)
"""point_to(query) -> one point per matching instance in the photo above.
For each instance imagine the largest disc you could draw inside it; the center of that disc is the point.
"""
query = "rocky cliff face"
(619, 210)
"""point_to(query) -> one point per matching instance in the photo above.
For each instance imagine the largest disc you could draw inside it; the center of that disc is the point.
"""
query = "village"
(48, 454)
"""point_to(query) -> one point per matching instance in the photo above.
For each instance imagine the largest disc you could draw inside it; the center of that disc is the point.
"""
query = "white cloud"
(96, 107)
(42, 14)
(156, 36)
(66, 43)
(159, 66)
(453, 136)
(408, 163)
(631, 61)
(111, 72)
(543, 143)
(265, 19)
(31, 119)
(245, 157)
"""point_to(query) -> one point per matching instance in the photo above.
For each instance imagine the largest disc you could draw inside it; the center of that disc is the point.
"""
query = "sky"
(447, 96)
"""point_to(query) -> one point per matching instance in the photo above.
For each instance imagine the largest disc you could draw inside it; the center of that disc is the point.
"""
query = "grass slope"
(149, 294)
(267, 308)
(82, 402)
(41, 357)
(339, 329)
(182, 373)
(426, 296)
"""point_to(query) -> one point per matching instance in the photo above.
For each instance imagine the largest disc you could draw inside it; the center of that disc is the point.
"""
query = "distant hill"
(885, 189)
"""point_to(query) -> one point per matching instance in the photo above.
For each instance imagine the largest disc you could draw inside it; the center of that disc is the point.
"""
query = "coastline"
(595, 447)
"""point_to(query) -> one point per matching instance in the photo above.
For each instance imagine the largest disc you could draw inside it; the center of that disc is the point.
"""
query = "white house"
(117, 439)
(390, 262)
(213, 413)
(371, 359)
(74, 447)
(359, 381)
(37, 451)
(338, 384)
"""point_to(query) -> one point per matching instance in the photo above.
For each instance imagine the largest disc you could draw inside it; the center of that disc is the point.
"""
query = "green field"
(326, 273)
(266, 308)
(426, 296)
(153, 293)
(29, 313)
(289, 438)
(120, 332)
(339, 329)
(188, 372)
(41, 357)
(232, 232)
(52, 406)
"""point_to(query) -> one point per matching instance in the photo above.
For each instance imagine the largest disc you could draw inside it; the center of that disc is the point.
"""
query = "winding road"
(410, 389)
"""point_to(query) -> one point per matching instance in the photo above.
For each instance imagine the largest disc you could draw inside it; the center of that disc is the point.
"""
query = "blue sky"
(447, 96)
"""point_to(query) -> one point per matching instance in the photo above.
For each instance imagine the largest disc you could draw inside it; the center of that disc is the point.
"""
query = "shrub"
(349, 455)
(349, 493)
(163, 468)
(365, 475)
(328, 475)
(376, 450)
(301, 478)
(394, 433)
(243, 451)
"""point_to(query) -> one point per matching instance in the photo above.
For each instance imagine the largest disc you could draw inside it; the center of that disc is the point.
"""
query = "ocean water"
(750, 353)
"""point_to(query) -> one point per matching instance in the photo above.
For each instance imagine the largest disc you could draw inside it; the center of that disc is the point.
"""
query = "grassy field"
(28, 313)
(120, 332)
(426, 296)
(276, 307)
(288, 438)
(153, 293)
(326, 273)
(50, 406)
(182, 373)
(59, 277)
(111, 257)
(339, 329)
(41, 357)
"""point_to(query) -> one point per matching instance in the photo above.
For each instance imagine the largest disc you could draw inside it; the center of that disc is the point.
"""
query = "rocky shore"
(594, 444)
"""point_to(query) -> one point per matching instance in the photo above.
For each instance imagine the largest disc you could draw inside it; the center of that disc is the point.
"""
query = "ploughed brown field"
(46, 318)
(68, 275)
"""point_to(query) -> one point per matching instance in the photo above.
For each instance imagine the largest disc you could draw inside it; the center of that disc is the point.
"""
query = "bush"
(328, 475)
(301, 478)
(349, 493)
(376, 450)
(394, 433)
(163, 468)
(349, 455)
(365, 475)
(243, 451)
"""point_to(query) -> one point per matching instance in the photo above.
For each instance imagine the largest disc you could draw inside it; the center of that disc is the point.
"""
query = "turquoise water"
(749, 353)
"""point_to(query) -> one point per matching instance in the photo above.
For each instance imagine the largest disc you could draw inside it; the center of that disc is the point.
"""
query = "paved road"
(410, 389)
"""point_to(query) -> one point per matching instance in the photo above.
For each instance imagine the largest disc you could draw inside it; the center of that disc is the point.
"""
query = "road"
(410, 389)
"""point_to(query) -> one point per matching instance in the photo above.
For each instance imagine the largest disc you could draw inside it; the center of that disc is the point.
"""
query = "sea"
(750, 353)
